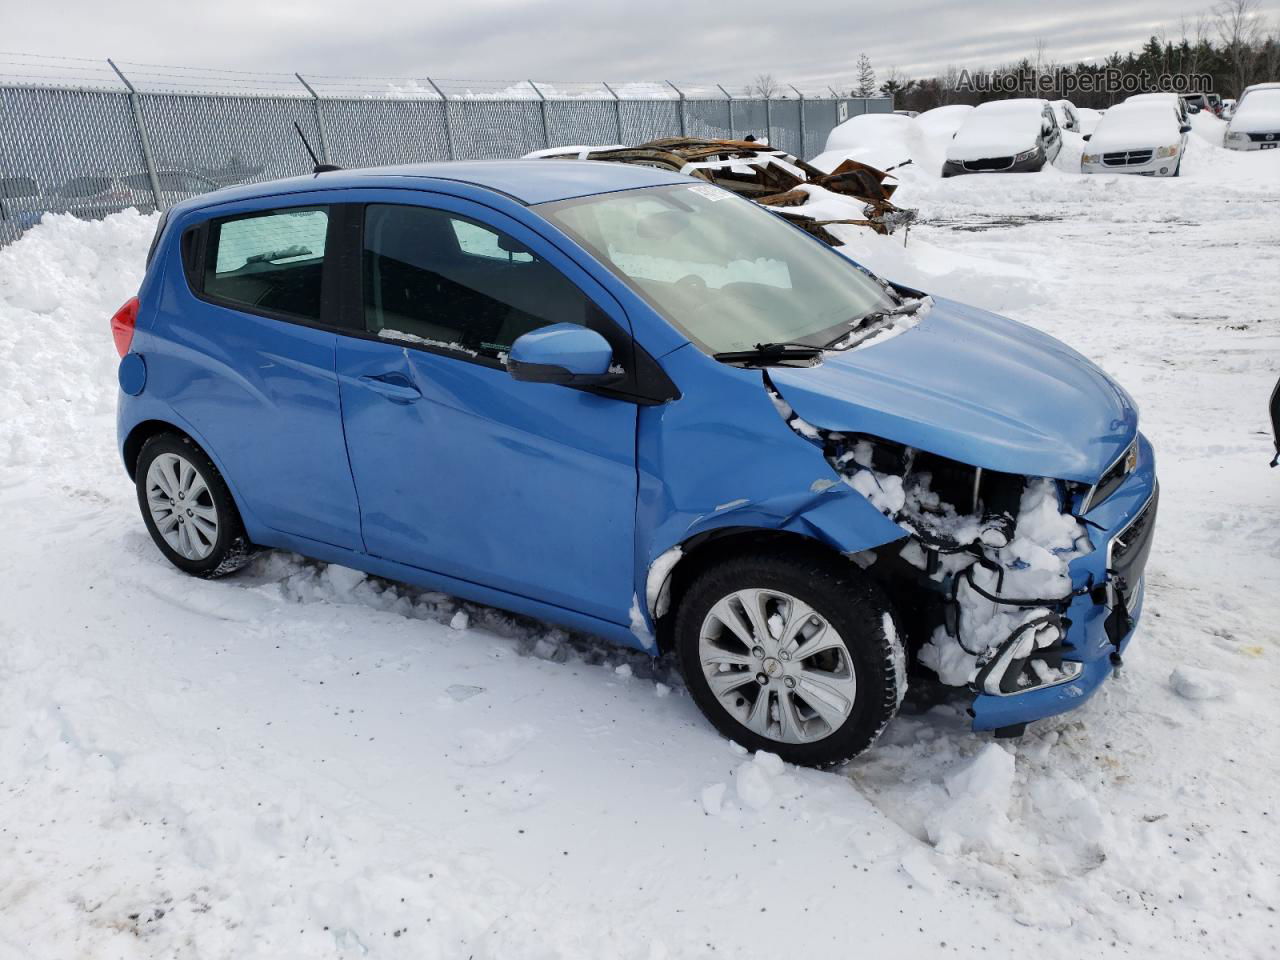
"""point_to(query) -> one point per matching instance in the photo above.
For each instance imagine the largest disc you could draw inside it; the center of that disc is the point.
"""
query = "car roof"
(1015, 105)
(1139, 106)
(527, 181)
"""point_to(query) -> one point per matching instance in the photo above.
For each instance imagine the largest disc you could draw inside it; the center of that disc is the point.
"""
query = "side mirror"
(1087, 137)
(1185, 128)
(563, 353)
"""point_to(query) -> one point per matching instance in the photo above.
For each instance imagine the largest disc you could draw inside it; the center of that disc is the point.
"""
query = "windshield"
(1260, 103)
(726, 272)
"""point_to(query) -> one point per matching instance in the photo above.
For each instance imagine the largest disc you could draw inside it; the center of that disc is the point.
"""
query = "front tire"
(797, 655)
(188, 508)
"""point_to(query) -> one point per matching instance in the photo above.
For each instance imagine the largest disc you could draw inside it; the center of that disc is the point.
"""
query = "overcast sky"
(806, 43)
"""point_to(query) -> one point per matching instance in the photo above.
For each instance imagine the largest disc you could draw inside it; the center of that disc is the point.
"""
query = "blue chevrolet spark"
(642, 407)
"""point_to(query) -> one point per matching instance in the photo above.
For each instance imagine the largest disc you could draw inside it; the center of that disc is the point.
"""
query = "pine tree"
(866, 77)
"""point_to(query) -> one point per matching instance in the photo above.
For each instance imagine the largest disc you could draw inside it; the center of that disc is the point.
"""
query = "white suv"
(1255, 122)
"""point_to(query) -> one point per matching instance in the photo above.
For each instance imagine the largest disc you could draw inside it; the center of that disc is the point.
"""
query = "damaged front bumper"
(1103, 614)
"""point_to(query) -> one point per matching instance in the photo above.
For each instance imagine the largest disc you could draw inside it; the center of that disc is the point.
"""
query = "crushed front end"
(1024, 590)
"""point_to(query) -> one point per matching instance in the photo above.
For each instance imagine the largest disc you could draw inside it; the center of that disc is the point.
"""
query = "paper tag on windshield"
(710, 192)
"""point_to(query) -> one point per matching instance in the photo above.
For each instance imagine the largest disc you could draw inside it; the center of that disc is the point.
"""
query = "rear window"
(269, 262)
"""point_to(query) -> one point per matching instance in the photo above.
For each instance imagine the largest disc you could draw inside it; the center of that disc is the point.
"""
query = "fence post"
(730, 97)
(542, 105)
(448, 130)
(145, 141)
(315, 102)
(617, 108)
(768, 118)
(679, 106)
(800, 152)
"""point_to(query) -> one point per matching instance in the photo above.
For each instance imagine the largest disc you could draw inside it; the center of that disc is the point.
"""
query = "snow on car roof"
(1025, 105)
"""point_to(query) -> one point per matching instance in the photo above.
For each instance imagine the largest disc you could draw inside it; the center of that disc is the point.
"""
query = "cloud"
(808, 44)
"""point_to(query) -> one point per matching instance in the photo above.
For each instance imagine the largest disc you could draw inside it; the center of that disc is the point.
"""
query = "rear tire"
(821, 647)
(188, 509)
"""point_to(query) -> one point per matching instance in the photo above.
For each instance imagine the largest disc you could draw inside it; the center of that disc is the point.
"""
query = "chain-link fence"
(91, 137)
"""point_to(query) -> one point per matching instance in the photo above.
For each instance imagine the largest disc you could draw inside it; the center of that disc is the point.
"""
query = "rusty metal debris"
(769, 177)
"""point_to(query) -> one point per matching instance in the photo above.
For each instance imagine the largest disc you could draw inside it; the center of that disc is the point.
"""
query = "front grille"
(1127, 158)
(1132, 545)
(1114, 477)
(1264, 137)
(990, 163)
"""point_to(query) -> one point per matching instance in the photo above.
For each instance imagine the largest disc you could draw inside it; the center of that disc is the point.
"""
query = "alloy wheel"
(181, 506)
(777, 666)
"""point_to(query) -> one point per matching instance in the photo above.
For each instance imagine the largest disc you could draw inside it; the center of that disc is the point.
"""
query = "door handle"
(394, 386)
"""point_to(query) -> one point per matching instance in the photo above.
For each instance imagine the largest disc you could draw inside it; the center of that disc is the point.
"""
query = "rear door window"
(269, 262)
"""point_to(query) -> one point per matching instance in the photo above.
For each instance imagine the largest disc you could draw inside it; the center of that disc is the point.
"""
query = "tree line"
(1232, 43)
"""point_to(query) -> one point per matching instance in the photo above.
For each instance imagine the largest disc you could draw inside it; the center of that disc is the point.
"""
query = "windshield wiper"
(906, 308)
(766, 353)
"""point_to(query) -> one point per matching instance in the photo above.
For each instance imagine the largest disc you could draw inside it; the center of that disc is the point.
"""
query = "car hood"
(1114, 141)
(1003, 134)
(974, 387)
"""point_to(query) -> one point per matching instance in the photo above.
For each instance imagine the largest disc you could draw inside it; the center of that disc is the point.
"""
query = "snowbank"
(59, 286)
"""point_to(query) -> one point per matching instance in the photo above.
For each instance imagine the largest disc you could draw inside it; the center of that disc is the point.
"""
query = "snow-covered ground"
(302, 762)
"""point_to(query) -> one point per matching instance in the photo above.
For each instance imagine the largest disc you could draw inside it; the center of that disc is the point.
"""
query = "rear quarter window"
(268, 262)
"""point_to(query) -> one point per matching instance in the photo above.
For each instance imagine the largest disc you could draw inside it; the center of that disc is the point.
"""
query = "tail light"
(122, 325)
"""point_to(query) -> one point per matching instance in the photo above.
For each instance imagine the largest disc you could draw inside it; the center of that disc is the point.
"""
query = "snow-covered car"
(1195, 102)
(1064, 111)
(1255, 123)
(636, 404)
(1142, 137)
(1004, 136)
(1087, 119)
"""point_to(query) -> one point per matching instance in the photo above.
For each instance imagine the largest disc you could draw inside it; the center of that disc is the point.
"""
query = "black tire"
(231, 548)
(852, 604)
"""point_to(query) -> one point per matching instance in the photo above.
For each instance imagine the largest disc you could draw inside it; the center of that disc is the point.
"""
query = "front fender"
(722, 456)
